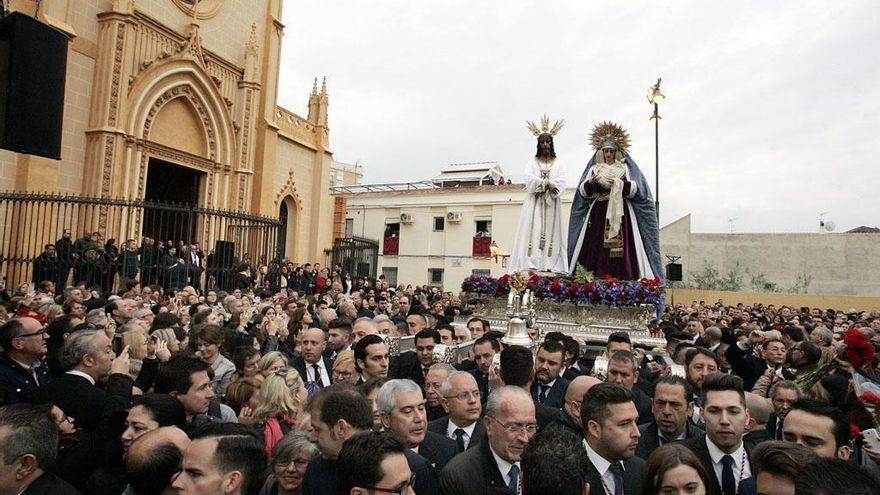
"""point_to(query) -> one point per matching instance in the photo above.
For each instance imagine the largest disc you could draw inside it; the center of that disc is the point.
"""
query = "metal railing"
(30, 221)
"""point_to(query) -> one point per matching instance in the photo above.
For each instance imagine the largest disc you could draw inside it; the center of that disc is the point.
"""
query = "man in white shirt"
(722, 451)
(611, 432)
(494, 466)
(461, 400)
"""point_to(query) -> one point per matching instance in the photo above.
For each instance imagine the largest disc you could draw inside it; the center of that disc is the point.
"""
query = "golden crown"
(545, 126)
(609, 130)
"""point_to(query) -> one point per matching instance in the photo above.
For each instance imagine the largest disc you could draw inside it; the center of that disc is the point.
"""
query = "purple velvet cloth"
(597, 258)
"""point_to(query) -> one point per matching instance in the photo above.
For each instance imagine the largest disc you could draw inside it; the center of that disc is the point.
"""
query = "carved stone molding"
(289, 188)
(118, 52)
(184, 91)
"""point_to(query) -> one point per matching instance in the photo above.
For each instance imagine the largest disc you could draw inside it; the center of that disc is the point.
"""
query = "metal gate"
(357, 256)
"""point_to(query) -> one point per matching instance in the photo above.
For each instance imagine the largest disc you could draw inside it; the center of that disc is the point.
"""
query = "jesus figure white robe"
(541, 212)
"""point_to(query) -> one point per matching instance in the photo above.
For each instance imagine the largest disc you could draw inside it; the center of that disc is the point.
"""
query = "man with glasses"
(494, 467)
(374, 462)
(460, 397)
(23, 366)
(611, 431)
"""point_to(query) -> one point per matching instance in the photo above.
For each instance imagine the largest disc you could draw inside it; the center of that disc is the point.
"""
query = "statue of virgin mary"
(613, 228)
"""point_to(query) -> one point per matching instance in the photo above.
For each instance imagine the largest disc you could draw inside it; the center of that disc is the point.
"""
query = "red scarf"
(272, 432)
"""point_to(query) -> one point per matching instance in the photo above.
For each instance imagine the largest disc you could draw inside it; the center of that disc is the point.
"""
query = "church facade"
(170, 101)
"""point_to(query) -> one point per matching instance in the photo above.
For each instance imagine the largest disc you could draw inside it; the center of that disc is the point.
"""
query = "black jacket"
(556, 394)
(321, 477)
(76, 396)
(632, 476)
(16, 382)
(473, 473)
(698, 446)
(650, 438)
(49, 484)
(441, 425)
(437, 450)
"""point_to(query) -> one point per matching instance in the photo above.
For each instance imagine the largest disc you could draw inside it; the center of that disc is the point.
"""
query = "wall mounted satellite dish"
(830, 226)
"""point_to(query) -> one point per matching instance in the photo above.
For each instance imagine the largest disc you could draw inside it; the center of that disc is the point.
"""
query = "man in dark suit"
(88, 356)
(744, 363)
(722, 451)
(672, 406)
(374, 459)
(460, 398)
(549, 388)
(623, 370)
(415, 365)
(611, 430)
(23, 367)
(518, 369)
(338, 413)
(312, 365)
(28, 440)
(510, 424)
(570, 419)
(484, 351)
(401, 407)
(782, 395)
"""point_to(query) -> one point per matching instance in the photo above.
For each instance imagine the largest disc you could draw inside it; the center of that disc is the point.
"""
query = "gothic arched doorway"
(287, 235)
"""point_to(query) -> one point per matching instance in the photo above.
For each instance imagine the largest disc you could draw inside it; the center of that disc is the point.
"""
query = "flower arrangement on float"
(605, 290)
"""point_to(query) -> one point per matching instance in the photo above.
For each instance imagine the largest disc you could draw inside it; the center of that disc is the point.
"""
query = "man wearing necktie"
(493, 467)
(312, 365)
(610, 420)
(549, 388)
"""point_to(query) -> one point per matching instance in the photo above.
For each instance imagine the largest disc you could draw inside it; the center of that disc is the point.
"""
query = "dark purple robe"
(594, 256)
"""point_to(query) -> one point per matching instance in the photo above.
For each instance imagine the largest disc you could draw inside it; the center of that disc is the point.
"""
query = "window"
(483, 228)
(435, 276)
(390, 273)
(391, 242)
(439, 223)
(349, 227)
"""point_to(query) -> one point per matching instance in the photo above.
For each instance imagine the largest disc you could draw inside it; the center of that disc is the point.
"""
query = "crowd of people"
(292, 386)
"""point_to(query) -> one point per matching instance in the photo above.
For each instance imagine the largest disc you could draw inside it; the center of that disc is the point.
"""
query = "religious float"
(588, 310)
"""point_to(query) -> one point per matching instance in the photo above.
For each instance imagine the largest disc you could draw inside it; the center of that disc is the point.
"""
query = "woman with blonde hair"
(343, 368)
(138, 349)
(277, 410)
(271, 362)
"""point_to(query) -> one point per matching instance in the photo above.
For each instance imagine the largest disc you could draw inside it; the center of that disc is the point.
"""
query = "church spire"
(324, 86)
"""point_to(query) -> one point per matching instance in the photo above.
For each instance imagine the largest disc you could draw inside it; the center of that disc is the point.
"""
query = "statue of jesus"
(539, 244)
(613, 228)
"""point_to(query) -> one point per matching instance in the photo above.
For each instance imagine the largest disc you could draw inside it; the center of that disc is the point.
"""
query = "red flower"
(504, 278)
(859, 351)
(534, 278)
(606, 277)
(870, 397)
(854, 430)
(588, 286)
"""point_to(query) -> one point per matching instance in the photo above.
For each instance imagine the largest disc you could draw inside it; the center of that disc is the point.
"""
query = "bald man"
(570, 420)
(153, 459)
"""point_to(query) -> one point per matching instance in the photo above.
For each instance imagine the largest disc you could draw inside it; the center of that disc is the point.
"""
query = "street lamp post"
(654, 98)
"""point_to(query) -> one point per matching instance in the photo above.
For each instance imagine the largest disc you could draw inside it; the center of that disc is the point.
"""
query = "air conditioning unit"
(406, 218)
(454, 216)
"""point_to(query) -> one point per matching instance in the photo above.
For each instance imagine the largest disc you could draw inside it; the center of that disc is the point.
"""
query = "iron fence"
(357, 256)
(100, 227)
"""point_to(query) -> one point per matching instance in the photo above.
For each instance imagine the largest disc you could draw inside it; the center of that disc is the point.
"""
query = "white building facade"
(438, 235)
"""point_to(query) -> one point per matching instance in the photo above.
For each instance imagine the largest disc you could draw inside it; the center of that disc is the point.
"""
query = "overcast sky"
(772, 113)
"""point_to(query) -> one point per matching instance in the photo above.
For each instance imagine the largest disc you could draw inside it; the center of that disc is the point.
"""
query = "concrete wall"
(860, 303)
(844, 264)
